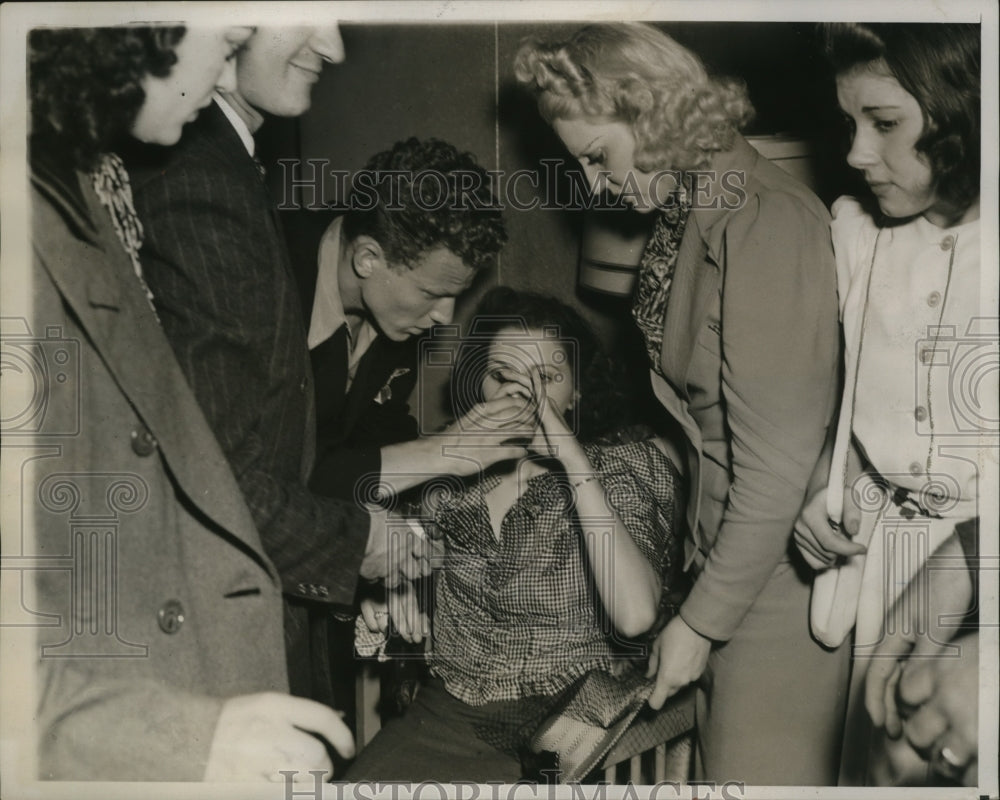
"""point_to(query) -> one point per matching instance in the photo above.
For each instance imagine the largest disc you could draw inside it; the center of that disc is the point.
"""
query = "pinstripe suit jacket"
(218, 268)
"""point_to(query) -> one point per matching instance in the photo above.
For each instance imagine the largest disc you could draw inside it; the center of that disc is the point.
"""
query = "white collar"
(328, 308)
(236, 121)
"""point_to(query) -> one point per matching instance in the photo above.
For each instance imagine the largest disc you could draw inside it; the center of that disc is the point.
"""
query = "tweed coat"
(162, 600)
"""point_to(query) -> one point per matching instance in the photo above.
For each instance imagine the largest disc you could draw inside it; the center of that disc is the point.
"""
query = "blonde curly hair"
(637, 74)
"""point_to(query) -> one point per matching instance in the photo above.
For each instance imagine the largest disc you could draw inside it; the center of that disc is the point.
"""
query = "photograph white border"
(17, 689)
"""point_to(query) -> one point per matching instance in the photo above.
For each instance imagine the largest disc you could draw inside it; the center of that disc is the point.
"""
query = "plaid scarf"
(110, 182)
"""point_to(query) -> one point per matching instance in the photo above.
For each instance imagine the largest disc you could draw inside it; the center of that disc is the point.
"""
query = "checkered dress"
(519, 617)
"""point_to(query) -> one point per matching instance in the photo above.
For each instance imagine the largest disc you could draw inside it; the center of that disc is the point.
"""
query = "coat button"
(143, 442)
(303, 385)
(947, 242)
(920, 413)
(170, 616)
(915, 469)
(933, 299)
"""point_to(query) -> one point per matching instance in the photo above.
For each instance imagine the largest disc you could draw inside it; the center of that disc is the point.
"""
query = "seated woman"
(552, 562)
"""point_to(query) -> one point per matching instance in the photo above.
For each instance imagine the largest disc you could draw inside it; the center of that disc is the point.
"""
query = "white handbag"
(833, 609)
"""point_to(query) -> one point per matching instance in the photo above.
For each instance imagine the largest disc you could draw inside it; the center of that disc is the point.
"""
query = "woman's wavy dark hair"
(85, 84)
(939, 64)
(598, 413)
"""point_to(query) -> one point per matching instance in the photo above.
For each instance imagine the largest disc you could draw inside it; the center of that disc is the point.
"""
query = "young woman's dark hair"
(85, 84)
(939, 64)
(601, 409)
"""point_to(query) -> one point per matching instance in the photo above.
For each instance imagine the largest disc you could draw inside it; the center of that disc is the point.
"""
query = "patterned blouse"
(519, 616)
(656, 273)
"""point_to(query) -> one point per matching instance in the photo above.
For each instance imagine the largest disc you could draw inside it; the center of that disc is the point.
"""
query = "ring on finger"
(949, 757)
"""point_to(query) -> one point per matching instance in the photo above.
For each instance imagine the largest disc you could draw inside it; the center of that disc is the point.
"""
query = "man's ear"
(367, 257)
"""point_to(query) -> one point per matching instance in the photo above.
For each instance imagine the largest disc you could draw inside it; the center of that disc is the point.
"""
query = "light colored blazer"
(184, 608)
(750, 355)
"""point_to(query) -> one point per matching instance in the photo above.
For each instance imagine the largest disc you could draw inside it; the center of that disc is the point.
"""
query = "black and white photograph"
(499, 400)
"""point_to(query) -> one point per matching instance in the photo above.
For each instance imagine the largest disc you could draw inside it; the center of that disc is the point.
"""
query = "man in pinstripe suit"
(217, 265)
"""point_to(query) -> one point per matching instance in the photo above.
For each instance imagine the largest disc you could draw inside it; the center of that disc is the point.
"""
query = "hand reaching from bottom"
(939, 699)
(259, 735)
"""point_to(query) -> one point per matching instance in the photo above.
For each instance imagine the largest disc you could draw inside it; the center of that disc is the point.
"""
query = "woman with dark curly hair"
(172, 667)
(92, 88)
(550, 560)
(909, 272)
(736, 301)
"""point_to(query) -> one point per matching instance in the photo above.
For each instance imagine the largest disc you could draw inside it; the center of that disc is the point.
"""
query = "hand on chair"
(678, 657)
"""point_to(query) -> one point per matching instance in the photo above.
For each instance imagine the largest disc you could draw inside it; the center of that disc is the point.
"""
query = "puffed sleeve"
(642, 485)
(780, 342)
(853, 231)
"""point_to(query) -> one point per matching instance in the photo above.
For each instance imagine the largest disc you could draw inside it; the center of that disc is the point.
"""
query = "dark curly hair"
(937, 63)
(422, 194)
(600, 411)
(85, 84)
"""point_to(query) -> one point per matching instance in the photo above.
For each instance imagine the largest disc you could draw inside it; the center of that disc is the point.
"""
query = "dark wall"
(456, 82)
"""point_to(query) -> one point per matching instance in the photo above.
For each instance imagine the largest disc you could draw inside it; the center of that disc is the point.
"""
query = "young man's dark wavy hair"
(85, 84)
(423, 194)
(601, 411)
(939, 64)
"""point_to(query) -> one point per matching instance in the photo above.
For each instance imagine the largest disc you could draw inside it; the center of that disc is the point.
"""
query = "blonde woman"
(737, 304)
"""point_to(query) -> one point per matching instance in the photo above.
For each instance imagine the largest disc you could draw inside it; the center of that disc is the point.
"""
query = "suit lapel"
(696, 279)
(373, 372)
(329, 366)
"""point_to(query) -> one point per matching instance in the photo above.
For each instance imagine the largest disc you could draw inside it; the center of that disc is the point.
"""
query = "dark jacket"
(216, 262)
(352, 426)
(218, 268)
